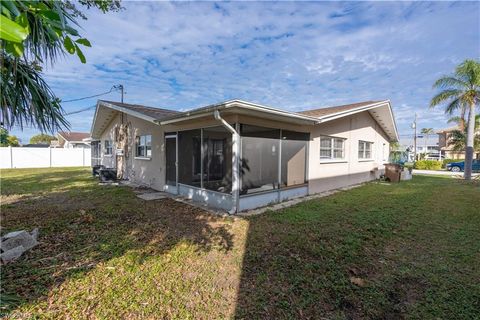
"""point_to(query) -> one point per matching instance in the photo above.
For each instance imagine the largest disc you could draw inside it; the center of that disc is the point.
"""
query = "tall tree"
(427, 132)
(42, 138)
(32, 34)
(460, 91)
(7, 140)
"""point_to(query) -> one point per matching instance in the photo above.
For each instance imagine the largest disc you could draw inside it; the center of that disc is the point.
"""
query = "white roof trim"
(346, 113)
(127, 111)
(120, 109)
(197, 113)
(201, 112)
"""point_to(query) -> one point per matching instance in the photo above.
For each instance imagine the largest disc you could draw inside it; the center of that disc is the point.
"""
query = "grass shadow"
(83, 225)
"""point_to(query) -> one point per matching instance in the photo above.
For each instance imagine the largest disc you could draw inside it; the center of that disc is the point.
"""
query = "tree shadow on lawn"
(83, 226)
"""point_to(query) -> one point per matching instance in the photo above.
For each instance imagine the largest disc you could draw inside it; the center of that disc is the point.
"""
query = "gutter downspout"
(235, 160)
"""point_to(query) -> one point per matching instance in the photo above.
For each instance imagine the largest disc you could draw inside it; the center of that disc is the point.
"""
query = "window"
(96, 152)
(108, 147)
(364, 150)
(332, 148)
(144, 146)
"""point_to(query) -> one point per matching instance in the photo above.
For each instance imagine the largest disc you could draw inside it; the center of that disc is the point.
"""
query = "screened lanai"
(200, 161)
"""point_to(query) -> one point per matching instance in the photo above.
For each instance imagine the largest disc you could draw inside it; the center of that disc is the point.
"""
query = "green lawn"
(413, 248)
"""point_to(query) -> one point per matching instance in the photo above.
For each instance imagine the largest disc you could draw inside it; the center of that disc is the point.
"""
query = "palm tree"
(426, 132)
(461, 92)
(458, 138)
(34, 34)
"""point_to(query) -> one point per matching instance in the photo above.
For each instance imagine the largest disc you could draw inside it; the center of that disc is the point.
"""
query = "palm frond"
(469, 70)
(427, 131)
(455, 105)
(27, 100)
(457, 140)
(448, 82)
(445, 96)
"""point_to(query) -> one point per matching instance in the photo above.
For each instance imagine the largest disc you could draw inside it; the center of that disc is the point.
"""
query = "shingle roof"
(156, 113)
(331, 110)
(74, 136)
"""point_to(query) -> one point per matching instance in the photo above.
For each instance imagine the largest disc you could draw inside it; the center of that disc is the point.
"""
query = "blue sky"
(288, 55)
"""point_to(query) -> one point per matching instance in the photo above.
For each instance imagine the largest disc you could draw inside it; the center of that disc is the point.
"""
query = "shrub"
(447, 161)
(428, 165)
(408, 165)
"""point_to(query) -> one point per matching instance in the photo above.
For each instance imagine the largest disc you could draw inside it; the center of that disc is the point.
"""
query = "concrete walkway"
(442, 173)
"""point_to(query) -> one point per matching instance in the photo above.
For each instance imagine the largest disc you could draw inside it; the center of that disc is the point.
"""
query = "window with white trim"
(143, 146)
(108, 147)
(365, 150)
(332, 148)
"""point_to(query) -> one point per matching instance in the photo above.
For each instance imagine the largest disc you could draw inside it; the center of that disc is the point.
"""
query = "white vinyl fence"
(18, 157)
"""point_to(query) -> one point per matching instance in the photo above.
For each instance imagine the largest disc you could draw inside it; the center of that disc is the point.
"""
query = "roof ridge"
(138, 105)
(354, 104)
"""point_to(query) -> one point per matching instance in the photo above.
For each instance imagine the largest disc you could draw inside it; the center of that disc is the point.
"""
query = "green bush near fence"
(428, 165)
(447, 161)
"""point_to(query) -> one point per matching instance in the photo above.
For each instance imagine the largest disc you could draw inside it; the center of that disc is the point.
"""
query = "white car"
(434, 157)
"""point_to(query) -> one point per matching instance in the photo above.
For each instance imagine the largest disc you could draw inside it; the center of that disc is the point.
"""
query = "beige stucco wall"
(324, 175)
(145, 172)
(321, 175)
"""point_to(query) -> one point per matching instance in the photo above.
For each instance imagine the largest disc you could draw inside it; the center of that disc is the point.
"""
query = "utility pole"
(414, 126)
(121, 88)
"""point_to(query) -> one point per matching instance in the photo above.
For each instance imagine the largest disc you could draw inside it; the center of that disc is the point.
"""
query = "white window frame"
(363, 155)
(332, 149)
(145, 143)
(109, 148)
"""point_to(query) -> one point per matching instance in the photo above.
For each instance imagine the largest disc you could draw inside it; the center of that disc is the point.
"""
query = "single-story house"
(238, 155)
(70, 139)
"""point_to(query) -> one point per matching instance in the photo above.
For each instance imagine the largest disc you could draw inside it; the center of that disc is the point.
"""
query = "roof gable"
(381, 111)
(336, 109)
(73, 136)
(151, 112)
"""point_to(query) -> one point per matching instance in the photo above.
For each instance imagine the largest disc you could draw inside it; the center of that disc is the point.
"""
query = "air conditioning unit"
(107, 174)
(96, 169)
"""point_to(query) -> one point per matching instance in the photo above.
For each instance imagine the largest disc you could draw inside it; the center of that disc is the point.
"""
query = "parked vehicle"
(434, 157)
(460, 166)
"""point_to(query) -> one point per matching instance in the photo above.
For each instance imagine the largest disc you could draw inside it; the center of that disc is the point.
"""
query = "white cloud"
(288, 55)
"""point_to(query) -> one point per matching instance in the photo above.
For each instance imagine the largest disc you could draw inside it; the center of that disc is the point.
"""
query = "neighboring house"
(444, 144)
(427, 146)
(238, 155)
(71, 140)
(444, 139)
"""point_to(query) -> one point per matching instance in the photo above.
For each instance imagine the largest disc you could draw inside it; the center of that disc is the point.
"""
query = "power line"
(117, 87)
(81, 110)
(113, 88)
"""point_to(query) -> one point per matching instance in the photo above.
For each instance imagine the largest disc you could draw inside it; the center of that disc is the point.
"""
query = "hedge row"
(428, 165)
